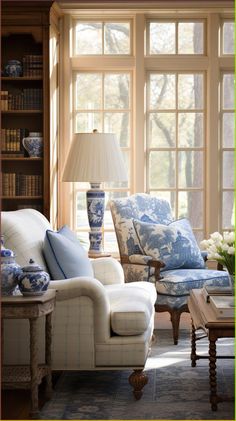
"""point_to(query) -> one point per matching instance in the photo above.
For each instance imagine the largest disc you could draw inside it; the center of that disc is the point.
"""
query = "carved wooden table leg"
(212, 372)
(34, 368)
(48, 358)
(138, 379)
(193, 346)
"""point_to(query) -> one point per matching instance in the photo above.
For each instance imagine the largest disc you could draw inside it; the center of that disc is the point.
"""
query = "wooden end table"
(203, 317)
(16, 376)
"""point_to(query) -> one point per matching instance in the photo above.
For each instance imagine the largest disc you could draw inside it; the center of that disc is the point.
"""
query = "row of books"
(27, 99)
(32, 65)
(221, 301)
(17, 184)
(11, 140)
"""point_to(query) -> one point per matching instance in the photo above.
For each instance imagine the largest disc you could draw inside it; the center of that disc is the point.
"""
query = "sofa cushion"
(174, 244)
(179, 282)
(65, 256)
(132, 307)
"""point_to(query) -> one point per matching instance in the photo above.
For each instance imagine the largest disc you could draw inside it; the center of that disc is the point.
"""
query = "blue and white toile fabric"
(174, 287)
(174, 244)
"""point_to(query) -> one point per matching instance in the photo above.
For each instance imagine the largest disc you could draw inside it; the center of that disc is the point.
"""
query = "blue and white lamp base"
(95, 209)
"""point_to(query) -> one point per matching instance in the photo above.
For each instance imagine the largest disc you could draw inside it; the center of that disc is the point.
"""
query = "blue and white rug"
(175, 390)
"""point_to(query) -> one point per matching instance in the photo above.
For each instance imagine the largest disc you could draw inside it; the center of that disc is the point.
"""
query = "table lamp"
(95, 158)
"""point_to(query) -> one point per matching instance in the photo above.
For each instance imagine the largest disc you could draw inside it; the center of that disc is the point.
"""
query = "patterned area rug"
(175, 390)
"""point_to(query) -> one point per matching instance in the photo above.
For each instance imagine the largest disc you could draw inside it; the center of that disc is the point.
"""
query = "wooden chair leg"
(175, 318)
(138, 379)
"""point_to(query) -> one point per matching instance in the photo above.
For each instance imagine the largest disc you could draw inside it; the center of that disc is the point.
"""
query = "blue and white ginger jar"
(33, 280)
(10, 270)
(34, 144)
(13, 68)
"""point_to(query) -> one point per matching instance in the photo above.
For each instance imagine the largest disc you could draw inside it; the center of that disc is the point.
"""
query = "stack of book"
(33, 98)
(33, 65)
(221, 301)
(4, 100)
(11, 141)
(17, 184)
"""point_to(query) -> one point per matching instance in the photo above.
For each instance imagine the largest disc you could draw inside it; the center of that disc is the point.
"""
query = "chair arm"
(108, 271)
(140, 259)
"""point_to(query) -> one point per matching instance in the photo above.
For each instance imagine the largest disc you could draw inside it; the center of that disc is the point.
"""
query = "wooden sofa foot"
(138, 379)
(175, 318)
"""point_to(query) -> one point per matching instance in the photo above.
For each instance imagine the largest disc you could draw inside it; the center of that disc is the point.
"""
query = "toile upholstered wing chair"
(99, 321)
(155, 248)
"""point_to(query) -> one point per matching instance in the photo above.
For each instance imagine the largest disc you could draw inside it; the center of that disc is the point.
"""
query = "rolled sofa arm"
(108, 271)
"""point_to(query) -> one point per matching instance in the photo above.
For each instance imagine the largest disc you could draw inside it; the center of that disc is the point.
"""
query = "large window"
(164, 86)
(176, 142)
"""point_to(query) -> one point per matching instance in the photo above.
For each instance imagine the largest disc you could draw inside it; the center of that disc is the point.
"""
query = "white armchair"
(98, 323)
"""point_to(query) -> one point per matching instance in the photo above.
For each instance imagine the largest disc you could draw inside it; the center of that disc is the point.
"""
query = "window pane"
(190, 91)
(88, 91)
(199, 236)
(116, 86)
(228, 130)
(191, 207)
(119, 124)
(228, 91)
(190, 169)
(228, 170)
(228, 38)
(117, 38)
(87, 122)
(84, 239)
(88, 38)
(110, 243)
(162, 169)
(162, 91)
(162, 130)
(162, 38)
(190, 130)
(81, 214)
(190, 38)
(228, 210)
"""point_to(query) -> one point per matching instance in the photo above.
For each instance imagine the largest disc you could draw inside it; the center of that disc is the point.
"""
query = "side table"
(203, 317)
(16, 376)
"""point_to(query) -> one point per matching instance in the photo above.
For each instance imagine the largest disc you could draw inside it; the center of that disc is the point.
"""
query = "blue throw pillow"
(174, 244)
(65, 256)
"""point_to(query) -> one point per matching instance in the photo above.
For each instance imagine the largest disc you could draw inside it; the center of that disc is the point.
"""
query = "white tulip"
(231, 250)
(216, 236)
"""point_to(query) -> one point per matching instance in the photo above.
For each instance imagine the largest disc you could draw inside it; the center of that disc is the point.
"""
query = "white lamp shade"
(94, 157)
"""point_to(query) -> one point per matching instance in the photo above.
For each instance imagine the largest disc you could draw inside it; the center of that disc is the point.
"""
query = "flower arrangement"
(222, 249)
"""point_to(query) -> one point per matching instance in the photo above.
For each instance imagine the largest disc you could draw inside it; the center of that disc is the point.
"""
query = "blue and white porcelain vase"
(10, 270)
(95, 209)
(13, 68)
(34, 144)
(33, 280)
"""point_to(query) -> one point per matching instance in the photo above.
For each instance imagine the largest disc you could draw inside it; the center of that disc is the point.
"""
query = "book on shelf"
(209, 290)
(18, 184)
(4, 100)
(33, 65)
(222, 305)
(11, 140)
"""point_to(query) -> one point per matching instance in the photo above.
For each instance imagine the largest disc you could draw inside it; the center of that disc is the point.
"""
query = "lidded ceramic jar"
(34, 144)
(13, 68)
(10, 270)
(33, 280)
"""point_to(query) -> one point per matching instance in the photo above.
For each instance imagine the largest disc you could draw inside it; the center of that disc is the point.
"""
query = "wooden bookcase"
(25, 33)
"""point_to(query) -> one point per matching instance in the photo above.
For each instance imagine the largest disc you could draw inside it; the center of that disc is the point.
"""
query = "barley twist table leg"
(48, 358)
(34, 368)
(193, 346)
(212, 372)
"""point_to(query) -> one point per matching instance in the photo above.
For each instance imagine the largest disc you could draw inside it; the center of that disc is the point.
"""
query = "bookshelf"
(25, 104)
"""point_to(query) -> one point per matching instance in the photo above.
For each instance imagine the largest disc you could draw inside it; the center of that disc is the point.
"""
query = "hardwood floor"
(15, 404)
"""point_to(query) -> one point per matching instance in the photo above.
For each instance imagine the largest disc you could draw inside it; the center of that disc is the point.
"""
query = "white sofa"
(98, 323)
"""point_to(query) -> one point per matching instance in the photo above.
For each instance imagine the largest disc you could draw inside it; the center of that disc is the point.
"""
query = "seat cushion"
(65, 256)
(132, 307)
(174, 244)
(180, 281)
